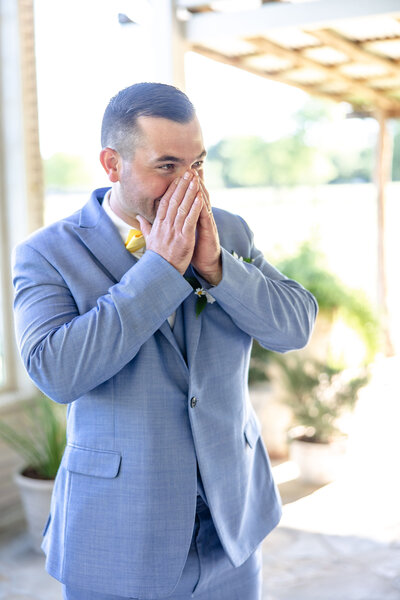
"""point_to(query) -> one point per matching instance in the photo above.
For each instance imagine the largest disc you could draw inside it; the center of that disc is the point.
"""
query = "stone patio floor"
(338, 542)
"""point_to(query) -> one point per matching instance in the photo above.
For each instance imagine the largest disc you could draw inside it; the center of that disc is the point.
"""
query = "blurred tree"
(352, 167)
(66, 171)
(305, 157)
(250, 161)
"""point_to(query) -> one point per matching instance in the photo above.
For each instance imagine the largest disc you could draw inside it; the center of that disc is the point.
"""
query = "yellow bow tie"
(135, 240)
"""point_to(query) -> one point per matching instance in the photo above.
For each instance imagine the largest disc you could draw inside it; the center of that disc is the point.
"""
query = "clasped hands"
(184, 230)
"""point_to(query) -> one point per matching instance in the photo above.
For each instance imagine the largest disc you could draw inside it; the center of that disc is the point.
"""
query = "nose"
(181, 170)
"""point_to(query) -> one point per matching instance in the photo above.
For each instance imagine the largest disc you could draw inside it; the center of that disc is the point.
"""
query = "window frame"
(14, 195)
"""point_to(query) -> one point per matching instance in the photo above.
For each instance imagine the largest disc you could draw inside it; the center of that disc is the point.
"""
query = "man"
(165, 488)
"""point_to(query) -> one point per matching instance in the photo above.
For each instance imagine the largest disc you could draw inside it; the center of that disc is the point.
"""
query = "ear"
(111, 163)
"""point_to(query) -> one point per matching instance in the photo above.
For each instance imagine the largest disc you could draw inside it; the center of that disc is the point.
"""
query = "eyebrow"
(175, 159)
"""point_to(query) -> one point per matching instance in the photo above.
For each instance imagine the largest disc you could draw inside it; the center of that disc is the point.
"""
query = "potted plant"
(274, 415)
(40, 442)
(337, 304)
(319, 396)
(336, 301)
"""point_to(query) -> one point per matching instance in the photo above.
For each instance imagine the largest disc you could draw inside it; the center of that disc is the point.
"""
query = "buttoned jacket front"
(146, 406)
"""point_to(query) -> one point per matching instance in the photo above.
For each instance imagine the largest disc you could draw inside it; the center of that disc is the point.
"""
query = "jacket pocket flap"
(87, 461)
(251, 432)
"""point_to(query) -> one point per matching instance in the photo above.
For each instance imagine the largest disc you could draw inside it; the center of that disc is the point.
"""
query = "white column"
(168, 45)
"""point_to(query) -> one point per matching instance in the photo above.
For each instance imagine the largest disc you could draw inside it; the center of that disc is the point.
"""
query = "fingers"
(190, 222)
(182, 200)
(145, 226)
(206, 217)
(164, 202)
(207, 203)
(173, 233)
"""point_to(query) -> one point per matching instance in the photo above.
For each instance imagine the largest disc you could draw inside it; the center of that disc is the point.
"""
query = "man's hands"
(172, 234)
(207, 252)
(184, 230)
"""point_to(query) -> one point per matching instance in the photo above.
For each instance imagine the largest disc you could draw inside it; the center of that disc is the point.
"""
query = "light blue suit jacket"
(93, 332)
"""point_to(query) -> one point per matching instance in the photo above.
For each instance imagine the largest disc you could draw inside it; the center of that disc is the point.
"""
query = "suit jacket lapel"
(179, 330)
(102, 238)
(192, 325)
(166, 330)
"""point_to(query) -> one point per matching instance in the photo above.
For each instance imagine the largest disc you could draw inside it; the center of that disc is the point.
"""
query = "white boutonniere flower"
(202, 292)
(203, 296)
(247, 260)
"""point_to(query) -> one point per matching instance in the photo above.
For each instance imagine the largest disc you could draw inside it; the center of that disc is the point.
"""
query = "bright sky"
(84, 56)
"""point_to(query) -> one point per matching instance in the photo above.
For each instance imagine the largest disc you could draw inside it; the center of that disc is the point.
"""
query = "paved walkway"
(327, 549)
(339, 542)
(342, 542)
(322, 550)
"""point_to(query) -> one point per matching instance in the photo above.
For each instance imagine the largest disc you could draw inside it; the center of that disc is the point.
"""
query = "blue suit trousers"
(208, 574)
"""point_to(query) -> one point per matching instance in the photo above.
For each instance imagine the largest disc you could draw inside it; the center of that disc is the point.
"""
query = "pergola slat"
(376, 98)
(354, 51)
(257, 22)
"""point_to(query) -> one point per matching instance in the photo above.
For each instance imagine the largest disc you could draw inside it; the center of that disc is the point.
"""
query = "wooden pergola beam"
(332, 73)
(200, 6)
(33, 160)
(240, 64)
(272, 15)
(382, 177)
(354, 50)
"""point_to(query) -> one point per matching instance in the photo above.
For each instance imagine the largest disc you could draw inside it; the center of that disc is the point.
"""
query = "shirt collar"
(122, 227)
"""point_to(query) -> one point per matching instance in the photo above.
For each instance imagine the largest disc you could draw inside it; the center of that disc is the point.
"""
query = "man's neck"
(114, 205)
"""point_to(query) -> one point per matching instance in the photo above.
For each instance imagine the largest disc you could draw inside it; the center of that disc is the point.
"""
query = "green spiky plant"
(319, 394)
(308, 267)
(41, 442)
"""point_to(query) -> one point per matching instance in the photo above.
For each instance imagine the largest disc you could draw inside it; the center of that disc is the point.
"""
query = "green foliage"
(250, 161)
(335, 299)
(319, 394)
(288, 161)
(313, 112)
(66, 171)
(350, 167)
(42, 443)
(309, 268)
(259, 361)
(296, 159)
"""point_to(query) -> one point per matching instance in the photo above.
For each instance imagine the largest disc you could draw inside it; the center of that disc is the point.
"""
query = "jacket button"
(193, 402)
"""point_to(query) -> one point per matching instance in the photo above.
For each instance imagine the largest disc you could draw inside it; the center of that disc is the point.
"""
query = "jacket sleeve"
(68, 354)
(276, 311)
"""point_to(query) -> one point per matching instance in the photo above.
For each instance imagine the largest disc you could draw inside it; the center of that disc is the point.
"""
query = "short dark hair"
(118, 130)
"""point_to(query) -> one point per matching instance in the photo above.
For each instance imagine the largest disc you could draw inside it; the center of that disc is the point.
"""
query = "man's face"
(164, 151)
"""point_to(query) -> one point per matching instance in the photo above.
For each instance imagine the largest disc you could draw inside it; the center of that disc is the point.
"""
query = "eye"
(167, 167)
(199, 164)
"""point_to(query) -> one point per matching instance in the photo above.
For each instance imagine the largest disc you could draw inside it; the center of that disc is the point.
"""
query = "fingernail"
(192, 184)
(186, 175)
(176, 181)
